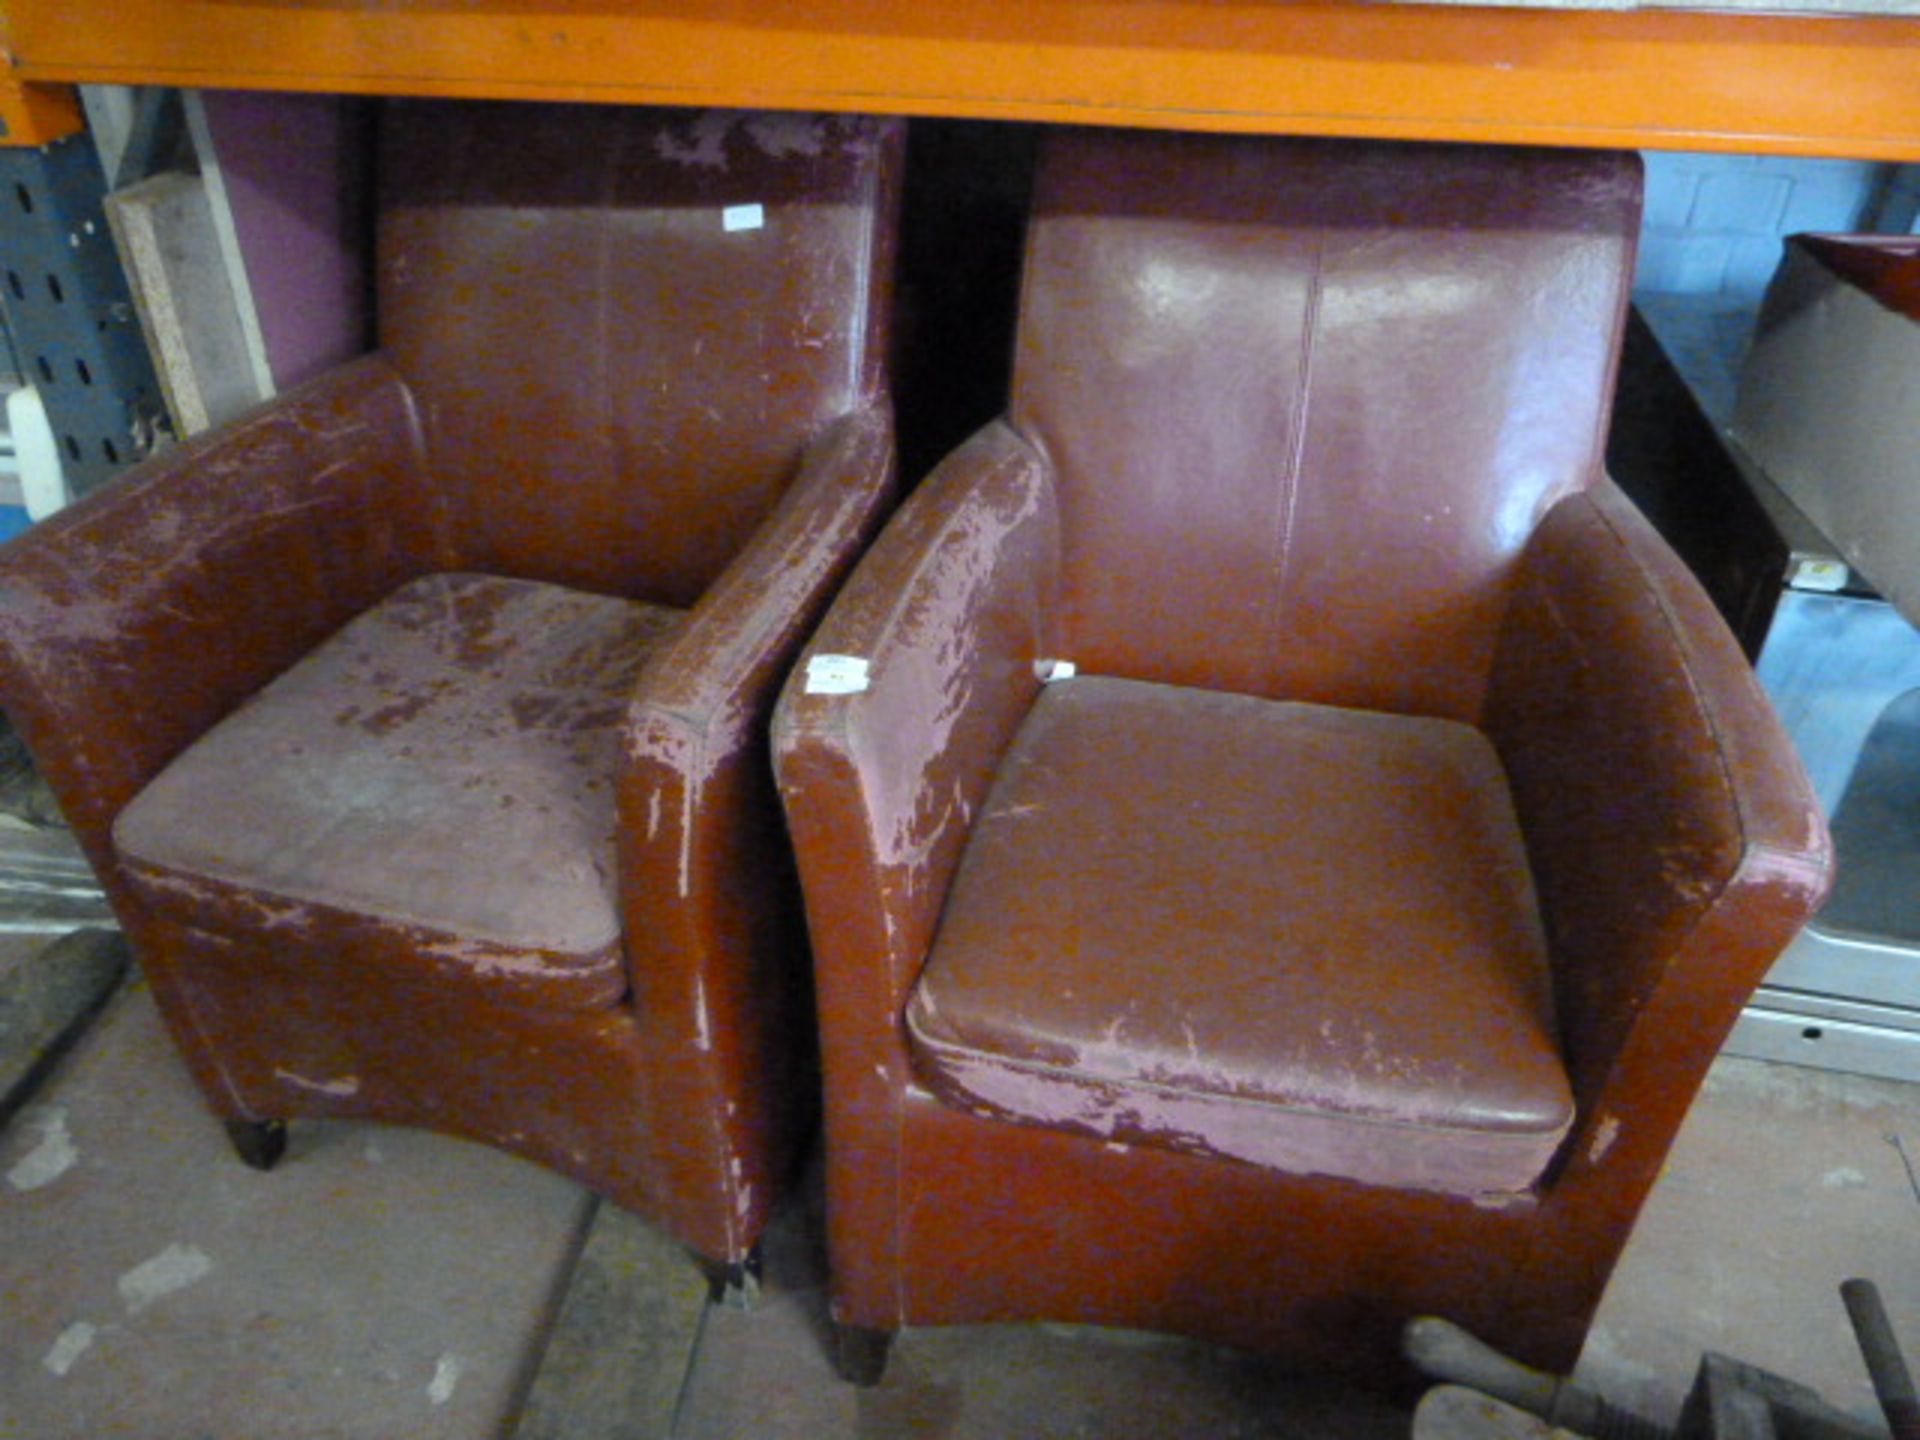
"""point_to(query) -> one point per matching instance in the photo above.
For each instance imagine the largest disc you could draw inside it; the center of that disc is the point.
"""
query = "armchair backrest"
(622, 326)
(1306, 400)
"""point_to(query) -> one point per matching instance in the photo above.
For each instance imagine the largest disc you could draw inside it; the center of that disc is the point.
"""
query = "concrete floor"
(386, 1282)
(380, 1282)
(1783, 1183)
(764, 1375)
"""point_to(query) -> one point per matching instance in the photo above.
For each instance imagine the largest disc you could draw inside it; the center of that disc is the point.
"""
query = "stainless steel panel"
(1844, 672)
(1876, 831)
(1857, 1049)
(1823, 963)
(1833, 664)
(1813, 1008)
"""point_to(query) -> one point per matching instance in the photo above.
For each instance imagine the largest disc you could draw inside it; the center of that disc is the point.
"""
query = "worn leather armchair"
(1346, 937)
(416, 723)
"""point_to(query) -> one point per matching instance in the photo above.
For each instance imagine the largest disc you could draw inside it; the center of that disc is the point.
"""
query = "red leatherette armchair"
(416, 722)
(1347, 937)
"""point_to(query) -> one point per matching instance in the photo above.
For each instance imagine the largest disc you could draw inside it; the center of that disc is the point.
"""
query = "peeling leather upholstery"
(1294, 423)
(599, 406)
(1295, 935)
(441, 768)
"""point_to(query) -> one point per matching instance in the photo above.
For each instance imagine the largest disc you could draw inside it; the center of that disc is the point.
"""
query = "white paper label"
(1823, 575)
(836, 674)
(743, 217)
(1052, 670)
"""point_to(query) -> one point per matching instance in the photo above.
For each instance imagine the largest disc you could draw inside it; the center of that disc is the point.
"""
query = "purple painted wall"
(299, 181)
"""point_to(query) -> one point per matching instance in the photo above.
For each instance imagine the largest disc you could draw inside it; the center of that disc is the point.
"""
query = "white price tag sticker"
(836, 674)
(742, 217)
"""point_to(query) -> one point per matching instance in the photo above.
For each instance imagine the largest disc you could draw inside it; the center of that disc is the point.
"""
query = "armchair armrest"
(696, 722)
(1674, 836)
(134, 620)
(950, 611)
(703, 870)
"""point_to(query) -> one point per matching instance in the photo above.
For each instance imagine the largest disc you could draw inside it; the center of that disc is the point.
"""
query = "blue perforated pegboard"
(75, 333)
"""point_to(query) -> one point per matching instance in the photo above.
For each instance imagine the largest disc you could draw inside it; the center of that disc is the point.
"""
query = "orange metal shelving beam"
(1645, 78)
(36, 114)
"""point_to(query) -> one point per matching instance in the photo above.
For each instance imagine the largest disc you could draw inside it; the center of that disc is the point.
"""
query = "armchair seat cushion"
(1292, 935)
(432, 787)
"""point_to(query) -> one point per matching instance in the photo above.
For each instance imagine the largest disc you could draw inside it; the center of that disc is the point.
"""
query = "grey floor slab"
(763, 1374)
(616, 1363)
(1038, 1382)
(50, 987)
(380, 1282)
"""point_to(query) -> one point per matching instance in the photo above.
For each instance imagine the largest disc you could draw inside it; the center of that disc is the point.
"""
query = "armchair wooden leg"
(735, 1285)
(860, 1355)
(259, 1143)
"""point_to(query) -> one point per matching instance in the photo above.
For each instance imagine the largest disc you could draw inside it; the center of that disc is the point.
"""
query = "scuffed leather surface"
(134, 620)
(1675, 840)
(560, 287)
(951, 608)
(576, 387)
(1286, 934)
(1651, 775)
(444, 766)
(1307, 400)
(716, 949)
(1015, 1222)
(569, 1089)
(1686, 851)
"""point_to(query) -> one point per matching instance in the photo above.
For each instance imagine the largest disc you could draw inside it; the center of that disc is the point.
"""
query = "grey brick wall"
(1714, 223)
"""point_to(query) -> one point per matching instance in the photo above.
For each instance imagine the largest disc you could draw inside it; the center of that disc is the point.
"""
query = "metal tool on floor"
(1730, 1400)
(1442, 1351)
(1885, 1365)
